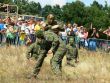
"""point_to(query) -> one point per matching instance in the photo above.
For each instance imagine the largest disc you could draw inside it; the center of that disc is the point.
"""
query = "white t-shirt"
(27, 31)
(64, 34)
(31, 28)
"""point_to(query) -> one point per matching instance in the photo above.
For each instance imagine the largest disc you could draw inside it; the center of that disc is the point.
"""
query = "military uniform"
(49, 41)
(42, 46)
(39, 49)
(58, 48)
(33, 51)
(72, 52)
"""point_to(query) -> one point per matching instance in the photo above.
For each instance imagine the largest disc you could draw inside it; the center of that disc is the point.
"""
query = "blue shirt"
(1, 26)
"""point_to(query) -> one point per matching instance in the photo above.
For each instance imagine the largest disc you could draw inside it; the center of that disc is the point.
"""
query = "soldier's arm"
(50, 36)
(29, 51)
(55, 44)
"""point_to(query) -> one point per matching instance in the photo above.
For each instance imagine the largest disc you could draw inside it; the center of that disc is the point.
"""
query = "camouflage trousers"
(56, 61)
(39, 62)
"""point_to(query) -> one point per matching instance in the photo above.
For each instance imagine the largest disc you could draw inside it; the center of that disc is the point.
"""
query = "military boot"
(71, 63)
(32, 76)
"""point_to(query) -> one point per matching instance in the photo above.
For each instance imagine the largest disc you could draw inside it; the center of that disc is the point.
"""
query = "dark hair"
(12, 24)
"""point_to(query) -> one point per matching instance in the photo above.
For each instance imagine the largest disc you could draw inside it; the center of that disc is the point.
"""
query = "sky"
(63, 2)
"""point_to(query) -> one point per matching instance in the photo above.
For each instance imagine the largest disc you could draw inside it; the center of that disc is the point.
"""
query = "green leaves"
(77, 12)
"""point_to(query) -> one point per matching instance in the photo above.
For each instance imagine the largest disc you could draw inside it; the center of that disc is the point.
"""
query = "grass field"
(93, 67)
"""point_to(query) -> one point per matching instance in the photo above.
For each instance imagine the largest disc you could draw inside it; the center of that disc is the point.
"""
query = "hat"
(19, 19)
(81, 26)
(74, 24)
(94, 28)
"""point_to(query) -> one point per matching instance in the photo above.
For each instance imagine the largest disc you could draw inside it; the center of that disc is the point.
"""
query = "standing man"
(2, 31)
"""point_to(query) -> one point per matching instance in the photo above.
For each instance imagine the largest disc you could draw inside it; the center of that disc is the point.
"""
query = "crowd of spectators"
(22, 32)
(84, 37)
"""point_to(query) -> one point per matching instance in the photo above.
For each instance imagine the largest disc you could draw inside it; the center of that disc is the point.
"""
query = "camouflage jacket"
(72, 51)
(33, 50)
(55, 40)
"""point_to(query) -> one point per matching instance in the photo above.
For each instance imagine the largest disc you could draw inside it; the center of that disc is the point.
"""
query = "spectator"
(85, 37)
(93, 41)
(10, 34)
(63, 35)
(22, 33)
(2, 31)
(31, 27)
(68, 31)
(78, 36)
(107, 32)
(75, 28)
(8, 20)
(81, 35)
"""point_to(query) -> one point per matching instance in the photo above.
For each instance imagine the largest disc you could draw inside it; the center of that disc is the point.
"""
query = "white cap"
(19, 19)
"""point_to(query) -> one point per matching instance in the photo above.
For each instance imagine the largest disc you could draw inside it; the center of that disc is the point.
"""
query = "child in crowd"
(10, 35)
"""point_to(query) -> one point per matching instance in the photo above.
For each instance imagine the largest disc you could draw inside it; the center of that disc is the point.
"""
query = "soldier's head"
(71, 40)
(40, 36)
(50, 18)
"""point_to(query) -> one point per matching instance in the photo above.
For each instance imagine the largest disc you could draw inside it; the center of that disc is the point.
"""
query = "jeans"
(33, 38)
(92, 44)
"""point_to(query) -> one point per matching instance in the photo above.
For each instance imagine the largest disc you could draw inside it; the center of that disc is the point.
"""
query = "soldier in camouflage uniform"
(39, 49)
(33, 51)
(72, 52)
(47, 41)
(58, 52)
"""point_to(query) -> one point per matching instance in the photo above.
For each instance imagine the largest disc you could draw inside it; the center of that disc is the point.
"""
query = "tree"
(47, 10)
(95, 3)
(6, 1)
(33, 8)
(74, 12)
(57, 12)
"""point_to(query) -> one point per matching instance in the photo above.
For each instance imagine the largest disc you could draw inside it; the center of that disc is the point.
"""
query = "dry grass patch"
(94, 67)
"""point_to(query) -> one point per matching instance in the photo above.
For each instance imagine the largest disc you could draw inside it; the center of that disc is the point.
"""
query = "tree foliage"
(77, 12)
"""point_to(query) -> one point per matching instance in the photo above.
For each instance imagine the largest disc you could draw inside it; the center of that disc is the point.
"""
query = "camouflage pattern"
(38, 50)
(33, 51)
(72, 52)
(49, 42)
(42, 46)
(58, 49)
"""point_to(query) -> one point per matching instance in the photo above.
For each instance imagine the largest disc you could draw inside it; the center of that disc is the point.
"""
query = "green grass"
(94, 67)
